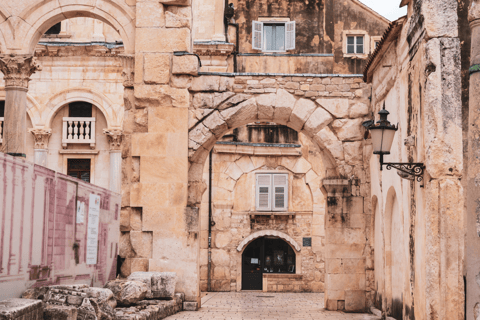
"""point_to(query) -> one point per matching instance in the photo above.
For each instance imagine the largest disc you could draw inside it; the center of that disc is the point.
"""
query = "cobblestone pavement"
(266, 306)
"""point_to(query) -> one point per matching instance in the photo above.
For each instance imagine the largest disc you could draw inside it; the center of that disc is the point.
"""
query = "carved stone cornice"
(128, 73)
(213, 49)
(41, 137)
(17, 69)
(115, 137)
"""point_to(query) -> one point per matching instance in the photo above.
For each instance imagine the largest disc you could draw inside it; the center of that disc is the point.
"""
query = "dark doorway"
(265, 255)
(79, 168)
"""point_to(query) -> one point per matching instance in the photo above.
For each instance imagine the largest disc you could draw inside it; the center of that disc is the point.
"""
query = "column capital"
(128, 73)
(17, 69)
(115, 137)
(41, 137)
(474, 11)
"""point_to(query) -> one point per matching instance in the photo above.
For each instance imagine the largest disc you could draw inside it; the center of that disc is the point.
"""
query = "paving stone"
(266, 305)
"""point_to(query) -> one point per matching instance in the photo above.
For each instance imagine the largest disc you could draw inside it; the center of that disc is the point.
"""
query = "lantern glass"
(382, 139)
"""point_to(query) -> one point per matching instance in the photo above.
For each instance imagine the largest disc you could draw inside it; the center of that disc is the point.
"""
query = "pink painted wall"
(38, 229)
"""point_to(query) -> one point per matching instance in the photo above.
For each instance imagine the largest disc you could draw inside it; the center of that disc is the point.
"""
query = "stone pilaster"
(41, 137)
(115, 138)
(473, 187)
(17, 70)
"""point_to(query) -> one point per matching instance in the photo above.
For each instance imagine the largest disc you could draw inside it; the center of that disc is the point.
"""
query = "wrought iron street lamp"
(383, 133)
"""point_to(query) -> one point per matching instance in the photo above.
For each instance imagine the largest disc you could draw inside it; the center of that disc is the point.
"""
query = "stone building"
(305, 209)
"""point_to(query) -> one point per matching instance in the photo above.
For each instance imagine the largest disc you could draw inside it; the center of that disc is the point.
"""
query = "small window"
(2, 109)
(355, 45)
(273, 37)
(79, 168)
(80, 110)
(376, 43)
(271, 192)
(55, 29)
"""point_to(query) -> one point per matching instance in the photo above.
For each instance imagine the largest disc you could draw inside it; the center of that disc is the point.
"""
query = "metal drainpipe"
(235, 53)
(209, 281)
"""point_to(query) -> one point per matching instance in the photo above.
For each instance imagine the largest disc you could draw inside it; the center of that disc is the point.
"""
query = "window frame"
(355, 44)
(75, 155)
(272, 193)
(273, 21)
(366, 43)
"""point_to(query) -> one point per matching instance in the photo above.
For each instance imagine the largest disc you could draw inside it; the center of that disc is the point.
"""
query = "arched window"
(55, 29)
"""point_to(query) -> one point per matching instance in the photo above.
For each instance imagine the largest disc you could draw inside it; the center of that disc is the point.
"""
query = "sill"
(72, 151)
(283, 275)
(56, 36)
(356, 56)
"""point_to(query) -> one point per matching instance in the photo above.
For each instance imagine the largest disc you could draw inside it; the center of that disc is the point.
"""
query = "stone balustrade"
(78, 130)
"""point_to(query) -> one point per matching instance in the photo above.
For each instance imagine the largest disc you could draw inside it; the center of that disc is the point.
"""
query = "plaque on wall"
(307, 242)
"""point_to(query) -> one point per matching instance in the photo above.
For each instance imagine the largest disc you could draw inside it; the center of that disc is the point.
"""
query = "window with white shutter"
(257, 30)
(280, 192)
(271, 192)
(290, 35)
(273, 36)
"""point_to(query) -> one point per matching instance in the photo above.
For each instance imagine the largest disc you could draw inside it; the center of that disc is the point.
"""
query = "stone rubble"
(120, 299)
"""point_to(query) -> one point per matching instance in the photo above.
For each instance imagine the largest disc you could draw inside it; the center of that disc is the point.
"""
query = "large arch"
(302, 115)
(264, 233)
(37, 19)
(5, 28)
(114, 118)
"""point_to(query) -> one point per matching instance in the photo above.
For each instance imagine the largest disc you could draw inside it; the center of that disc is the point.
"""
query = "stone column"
(17, 70)
(473, 174)
(41, 137)
(115, 140)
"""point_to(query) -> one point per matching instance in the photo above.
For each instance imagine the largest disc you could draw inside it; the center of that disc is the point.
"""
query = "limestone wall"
(235, 216)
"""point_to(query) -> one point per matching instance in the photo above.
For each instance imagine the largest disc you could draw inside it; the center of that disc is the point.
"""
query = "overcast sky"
(387, 8)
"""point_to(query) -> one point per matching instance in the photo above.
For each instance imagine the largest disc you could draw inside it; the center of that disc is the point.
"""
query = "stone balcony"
(78, 130)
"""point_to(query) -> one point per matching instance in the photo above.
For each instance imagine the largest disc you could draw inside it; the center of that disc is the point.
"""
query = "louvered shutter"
(263, 192)
(257, 31)
(290, 35)
(280, 192)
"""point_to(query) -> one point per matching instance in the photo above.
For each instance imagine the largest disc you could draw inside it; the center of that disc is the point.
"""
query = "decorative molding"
(41, 137)
(128, 73)
(115, 138)
(264, 233)
(81, 50)
(17, 69)
(213, 49)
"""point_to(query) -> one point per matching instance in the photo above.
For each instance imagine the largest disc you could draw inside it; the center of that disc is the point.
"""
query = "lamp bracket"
(413, 169)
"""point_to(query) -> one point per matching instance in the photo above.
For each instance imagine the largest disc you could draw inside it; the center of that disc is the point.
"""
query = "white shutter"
(290, 35)
(263, 192)
(257, 35)
(280, 192)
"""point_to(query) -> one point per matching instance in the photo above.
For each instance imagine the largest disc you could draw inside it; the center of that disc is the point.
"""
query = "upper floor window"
(355, 45)
(273, 36)
(271, 192)
(2, 109)
(80, 110)
(79, 168)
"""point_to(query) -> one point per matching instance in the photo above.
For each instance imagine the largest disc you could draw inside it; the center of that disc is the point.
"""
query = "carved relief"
(114, 138)
(17, 69)
(128, 73)
(41, 137)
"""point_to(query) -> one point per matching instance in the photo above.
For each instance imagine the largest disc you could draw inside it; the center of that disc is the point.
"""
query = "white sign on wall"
(92, 233)
(80, 212)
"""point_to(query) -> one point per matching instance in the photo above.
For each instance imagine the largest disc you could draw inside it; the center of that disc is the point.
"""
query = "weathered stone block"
(178, 17)
(54, 312)
(348, 130)
(242, 114)
(190, 306)
(163, 284)
(284, 105)
(158, 68)
(318, 120)
(21, 309)
(164, 40)
(300, 114)
(185, 65)
(127, 292)
(337, 107)
(150, 14)
(355, 301)
(205, 83)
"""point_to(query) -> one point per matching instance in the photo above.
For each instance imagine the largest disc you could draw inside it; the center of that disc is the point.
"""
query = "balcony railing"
(2, 119)
(78, 130)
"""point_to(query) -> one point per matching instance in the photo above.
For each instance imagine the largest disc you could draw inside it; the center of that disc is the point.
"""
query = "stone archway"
(334, 123)
(37, 19)
(264, 233)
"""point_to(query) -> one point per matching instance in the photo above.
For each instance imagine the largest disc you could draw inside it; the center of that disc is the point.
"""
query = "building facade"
(248, 166)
